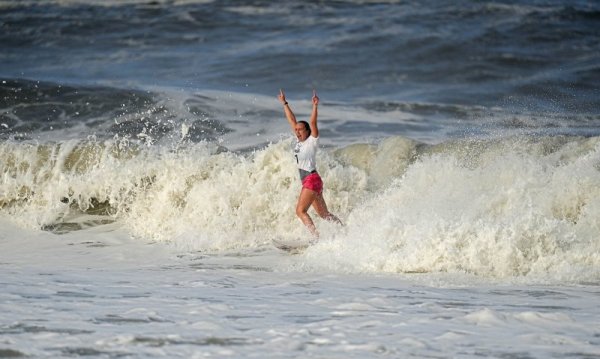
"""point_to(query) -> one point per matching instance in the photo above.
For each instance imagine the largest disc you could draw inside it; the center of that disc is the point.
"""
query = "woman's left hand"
(281, 97)
(315, 99)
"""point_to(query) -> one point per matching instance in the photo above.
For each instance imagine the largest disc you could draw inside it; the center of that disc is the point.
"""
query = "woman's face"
(301, 132)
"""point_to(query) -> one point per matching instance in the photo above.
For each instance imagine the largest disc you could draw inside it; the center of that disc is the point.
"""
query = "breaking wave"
(507, 207)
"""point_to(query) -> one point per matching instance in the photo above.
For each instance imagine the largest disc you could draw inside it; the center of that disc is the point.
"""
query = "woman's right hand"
(281, 96)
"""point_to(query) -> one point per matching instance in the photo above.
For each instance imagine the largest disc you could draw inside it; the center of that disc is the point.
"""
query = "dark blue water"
(419, 69)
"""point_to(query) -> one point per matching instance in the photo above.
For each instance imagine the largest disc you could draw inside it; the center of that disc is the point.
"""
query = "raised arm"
(314, 129)
(288, 111)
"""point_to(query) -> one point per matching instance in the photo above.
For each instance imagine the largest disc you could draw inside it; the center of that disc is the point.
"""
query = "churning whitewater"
(499, 208)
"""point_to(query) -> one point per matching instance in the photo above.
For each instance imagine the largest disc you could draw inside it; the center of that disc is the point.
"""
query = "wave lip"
(32, 108)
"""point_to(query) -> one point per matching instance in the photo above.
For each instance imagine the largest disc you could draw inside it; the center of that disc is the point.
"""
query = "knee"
(301, 212)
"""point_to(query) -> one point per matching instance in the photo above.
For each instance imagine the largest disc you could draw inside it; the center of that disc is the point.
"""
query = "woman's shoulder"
(312, 141)
(309, 141)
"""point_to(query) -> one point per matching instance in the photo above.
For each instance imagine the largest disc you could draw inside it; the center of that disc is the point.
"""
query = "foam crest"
(382, 162)
(519, 207)
(199, 196)
(512, 208)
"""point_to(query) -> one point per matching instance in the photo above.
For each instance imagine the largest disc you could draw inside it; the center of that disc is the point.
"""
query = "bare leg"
(321, 207)
(307, 197)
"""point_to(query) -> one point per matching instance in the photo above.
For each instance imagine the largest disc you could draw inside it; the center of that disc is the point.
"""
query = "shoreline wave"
(517, 206)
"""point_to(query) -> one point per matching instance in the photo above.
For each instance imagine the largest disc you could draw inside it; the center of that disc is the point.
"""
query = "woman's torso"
(306, 156)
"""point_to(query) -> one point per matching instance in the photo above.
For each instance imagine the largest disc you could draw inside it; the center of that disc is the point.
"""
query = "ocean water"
(146, 166)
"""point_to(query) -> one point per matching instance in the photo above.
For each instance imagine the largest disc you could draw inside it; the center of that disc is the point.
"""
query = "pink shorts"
(313, 182)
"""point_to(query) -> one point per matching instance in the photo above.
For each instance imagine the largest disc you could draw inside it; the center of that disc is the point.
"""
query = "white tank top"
(306, 154)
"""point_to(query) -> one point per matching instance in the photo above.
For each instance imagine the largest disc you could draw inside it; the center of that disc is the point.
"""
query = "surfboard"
(293, 247)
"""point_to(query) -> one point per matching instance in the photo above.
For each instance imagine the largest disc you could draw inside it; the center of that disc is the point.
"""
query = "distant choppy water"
(523, 64)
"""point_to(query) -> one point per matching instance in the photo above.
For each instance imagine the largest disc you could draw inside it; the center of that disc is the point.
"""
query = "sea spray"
(516, 208)
(231, 200)
(501, 208)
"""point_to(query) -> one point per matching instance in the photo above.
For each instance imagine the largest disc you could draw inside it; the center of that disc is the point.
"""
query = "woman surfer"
(306, 153)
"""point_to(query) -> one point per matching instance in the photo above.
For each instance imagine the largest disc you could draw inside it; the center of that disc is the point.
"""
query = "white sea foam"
(100, 292)
(501, 212)
(500, 209)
